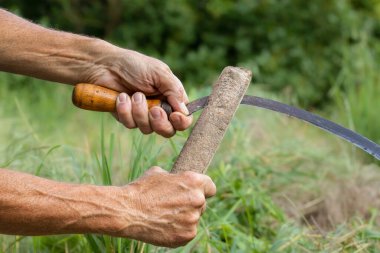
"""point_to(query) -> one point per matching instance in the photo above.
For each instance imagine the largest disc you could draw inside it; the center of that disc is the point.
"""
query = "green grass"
(358, 105)
(270, 172)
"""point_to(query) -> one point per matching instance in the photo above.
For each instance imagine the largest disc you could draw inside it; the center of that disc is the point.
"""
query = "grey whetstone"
(211, 126)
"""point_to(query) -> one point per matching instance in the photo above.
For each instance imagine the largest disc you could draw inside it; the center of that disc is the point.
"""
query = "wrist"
(127, 218)
(102, 211)
(92, 52)
(83, 57)
(120, 221)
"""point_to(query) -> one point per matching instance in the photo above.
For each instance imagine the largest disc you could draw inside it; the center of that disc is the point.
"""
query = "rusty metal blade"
(346, 134)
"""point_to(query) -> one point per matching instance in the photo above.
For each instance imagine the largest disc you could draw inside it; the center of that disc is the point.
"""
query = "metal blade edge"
(356, 139)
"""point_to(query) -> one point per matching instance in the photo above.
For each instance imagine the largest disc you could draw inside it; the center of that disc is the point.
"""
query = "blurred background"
(307, 192)
(292, 46)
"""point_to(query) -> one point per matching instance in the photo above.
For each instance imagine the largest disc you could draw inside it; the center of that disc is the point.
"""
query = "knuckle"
(170, 245)
(165, 131)
(165, 67)
(180, 127)
(210, 187)
(160, 126)
(180, 92)
(184, 237)
(193, 218)
(129, 124)
(190, 235)
(179, 243)
(179, 121)
(155, 169)
(126, 122)
(145, 130)
(191, 176)
(167, 134)
(121, 118)
(213, 189)
(144, 127)
(178, 240)
(162, 70)
(198, 199)
(208, 181)
(193, 233)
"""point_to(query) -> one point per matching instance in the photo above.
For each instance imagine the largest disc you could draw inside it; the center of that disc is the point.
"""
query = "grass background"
(283, 185)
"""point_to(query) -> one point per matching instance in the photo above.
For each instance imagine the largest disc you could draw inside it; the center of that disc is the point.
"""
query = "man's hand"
(164, 209)
(138, 76)
(33, 50)
(158, 208)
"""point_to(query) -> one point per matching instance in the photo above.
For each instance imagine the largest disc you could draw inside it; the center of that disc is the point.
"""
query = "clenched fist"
(164, 209)
(158, 208)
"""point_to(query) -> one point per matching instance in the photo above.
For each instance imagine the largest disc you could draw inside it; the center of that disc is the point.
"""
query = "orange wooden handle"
(98, 98)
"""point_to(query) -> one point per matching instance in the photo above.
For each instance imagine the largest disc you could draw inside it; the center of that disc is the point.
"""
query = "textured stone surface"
(211, 126)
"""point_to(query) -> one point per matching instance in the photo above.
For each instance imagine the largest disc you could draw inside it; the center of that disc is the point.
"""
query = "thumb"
(171, 87)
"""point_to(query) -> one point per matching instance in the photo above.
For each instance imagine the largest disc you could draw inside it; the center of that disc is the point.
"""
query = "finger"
(209, 187)
(171, 87)
(181, 89)
(180, 122)
(154, 170)
(124, 110)
(140, 112)
(199, 181)
(159, 122)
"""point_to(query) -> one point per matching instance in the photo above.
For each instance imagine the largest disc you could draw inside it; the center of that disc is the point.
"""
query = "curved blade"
(356, 139)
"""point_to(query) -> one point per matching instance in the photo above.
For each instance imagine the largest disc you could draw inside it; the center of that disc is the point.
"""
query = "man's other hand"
(163, 208)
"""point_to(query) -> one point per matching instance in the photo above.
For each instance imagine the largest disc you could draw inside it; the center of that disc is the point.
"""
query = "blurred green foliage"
(293, 46)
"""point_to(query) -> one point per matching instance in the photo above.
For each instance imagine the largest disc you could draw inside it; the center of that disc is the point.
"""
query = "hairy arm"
(159, 208)
(30, 49)
(35, 206)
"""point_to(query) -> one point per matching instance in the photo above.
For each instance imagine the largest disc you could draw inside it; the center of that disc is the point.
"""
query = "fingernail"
(137, 97)
(184, 108)
(155, 113)
(122, 97)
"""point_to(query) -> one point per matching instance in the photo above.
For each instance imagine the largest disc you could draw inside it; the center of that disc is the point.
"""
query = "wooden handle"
(98, 98)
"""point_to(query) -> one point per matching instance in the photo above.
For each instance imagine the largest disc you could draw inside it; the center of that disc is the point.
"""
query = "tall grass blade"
(95, 244)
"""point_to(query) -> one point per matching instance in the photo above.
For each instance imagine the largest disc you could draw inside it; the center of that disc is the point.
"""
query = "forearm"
(158, 208)
(30, 205)
(29, 49)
